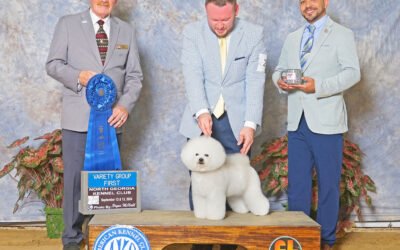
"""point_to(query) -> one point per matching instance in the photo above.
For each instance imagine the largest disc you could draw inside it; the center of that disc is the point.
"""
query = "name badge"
(122, 46)
(262, 62)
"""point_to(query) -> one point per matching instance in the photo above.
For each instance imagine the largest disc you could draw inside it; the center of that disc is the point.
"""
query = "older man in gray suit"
(83, 45)
(326, 53)
(223, 64)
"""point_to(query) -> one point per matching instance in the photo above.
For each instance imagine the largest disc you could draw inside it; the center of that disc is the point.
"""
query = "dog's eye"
(197, 154)
(206, 155)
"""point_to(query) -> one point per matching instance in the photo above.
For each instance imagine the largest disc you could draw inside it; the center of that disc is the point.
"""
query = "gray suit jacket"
(241, 85)
(333, 64)
(74, 49)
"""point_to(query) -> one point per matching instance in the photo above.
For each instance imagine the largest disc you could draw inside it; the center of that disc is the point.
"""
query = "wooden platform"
(163, 228)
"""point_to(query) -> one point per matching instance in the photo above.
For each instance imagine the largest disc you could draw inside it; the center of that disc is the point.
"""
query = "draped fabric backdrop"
(30, 101)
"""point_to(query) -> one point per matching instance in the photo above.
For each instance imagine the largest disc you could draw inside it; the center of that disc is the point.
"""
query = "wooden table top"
(187, 218)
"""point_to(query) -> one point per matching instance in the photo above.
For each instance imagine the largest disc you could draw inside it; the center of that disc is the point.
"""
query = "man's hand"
(84, 76)
(246, 137)
(284, 86)
(118, 117)
(204, 121)
(308, 86)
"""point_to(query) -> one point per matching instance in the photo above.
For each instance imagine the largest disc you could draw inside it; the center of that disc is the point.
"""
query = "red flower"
(272, 184)
(284, 182)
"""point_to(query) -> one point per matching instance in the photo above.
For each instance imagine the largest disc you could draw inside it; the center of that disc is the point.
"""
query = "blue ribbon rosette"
(102, 152)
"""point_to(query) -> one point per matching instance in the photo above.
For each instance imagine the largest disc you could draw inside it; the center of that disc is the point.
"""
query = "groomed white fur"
(217, 178)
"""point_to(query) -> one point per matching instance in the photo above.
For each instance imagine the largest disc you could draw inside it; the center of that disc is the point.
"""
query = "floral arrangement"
(272, 167)
(39, 169)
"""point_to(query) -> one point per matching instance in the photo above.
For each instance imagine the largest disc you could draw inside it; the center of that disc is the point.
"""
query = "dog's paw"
(216, 216)
(238, 205)
(199, 215)
(260, 208)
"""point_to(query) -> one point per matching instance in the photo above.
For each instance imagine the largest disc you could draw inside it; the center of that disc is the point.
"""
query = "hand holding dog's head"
(203, 154)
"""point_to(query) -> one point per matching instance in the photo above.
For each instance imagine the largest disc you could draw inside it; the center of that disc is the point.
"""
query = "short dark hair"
(221, 2)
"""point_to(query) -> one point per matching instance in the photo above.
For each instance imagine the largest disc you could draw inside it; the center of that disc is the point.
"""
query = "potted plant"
(272, 167)
(40, 170)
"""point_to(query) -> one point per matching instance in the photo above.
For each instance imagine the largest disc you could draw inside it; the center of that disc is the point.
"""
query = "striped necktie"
(102, 41)
(307, 46)
(220, 106)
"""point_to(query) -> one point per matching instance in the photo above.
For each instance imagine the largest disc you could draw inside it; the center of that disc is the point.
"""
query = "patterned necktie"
(307, 46)
(102, 41)
(220, 106)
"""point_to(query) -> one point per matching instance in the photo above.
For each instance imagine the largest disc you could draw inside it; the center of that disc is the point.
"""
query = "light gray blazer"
(74, 49)
(333, 64)
(241, 85)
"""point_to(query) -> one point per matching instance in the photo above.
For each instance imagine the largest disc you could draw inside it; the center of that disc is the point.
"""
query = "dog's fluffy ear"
(200, 146)
(188, 156)
(216, 152)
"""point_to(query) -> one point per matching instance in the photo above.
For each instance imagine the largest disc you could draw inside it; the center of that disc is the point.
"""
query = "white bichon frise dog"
(217, 178)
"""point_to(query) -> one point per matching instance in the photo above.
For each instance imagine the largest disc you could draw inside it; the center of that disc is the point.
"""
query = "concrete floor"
(35, 238)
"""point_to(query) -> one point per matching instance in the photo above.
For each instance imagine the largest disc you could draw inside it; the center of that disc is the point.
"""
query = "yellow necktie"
(222, 52)
(220, 106)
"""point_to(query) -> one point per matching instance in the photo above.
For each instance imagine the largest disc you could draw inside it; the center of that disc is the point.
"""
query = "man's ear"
(237, 9)
(326, 3)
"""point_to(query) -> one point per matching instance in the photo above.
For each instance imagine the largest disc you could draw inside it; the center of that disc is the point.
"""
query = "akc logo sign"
(285, 243)
(121, 238)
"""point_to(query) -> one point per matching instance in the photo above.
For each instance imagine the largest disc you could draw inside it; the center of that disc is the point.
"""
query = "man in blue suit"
(326, 53)
(223, 64)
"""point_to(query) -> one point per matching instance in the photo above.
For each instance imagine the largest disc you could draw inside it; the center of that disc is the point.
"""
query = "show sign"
(122, 237)
(285, 243)
(109, 191)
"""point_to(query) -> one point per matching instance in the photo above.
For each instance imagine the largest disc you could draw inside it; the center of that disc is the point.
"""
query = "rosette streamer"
(102, 152)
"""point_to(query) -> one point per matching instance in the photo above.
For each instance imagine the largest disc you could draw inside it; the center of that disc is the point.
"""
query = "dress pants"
(73, 150)
(222, 132)
(324, 152)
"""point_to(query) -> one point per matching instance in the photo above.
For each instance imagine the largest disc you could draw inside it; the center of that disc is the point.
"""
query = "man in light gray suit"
(326, 53)
(83, 45)
(240, 83)
(223, 64)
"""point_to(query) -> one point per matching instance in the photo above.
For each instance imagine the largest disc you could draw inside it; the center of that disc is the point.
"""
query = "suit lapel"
(112, 40)
(319, 42)
(297, 45)
(87, 27)
(236, 37)
(212, 44)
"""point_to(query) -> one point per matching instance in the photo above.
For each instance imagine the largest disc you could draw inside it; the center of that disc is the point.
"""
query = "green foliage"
(39, 170)
(54, 222)
(272, 167)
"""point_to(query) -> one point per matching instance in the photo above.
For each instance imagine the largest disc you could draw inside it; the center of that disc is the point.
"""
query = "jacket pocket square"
(239, 58)
(122, 46)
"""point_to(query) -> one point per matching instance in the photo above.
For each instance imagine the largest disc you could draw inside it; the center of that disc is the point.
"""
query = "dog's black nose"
(201, 161)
